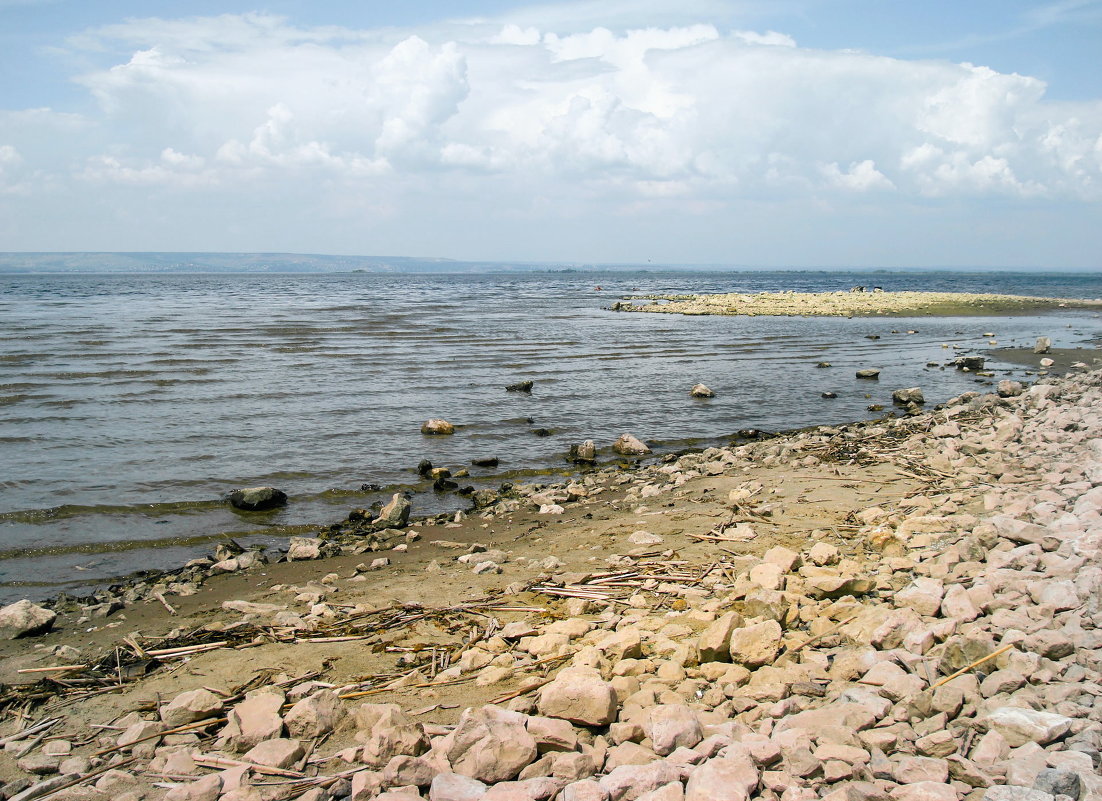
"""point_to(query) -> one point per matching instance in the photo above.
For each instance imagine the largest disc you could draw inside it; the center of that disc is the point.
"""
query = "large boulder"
(580, 695)
(756, 644)
(628, 445)
(257, 499)
(24, 618)
(489, 744)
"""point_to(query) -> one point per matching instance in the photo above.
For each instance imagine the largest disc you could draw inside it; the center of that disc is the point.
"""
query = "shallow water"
(129, 404)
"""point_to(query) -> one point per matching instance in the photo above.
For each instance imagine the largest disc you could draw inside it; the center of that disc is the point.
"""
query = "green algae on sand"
(851, 304)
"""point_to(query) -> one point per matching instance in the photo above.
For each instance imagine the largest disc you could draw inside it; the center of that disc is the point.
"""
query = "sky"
(777, 133)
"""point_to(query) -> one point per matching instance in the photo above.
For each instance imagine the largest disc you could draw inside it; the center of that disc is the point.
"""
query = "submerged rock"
(586, 452)
(437, 427)
(868, 373)
(521, 386)
(906, 396)
(701, 391)
(257, 499)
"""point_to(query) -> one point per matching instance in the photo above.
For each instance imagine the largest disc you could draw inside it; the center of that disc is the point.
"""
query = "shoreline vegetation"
(905, 607)
(857, 302)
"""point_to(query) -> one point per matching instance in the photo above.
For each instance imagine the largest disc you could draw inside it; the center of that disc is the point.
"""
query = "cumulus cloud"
(636, 116)
(721, 112)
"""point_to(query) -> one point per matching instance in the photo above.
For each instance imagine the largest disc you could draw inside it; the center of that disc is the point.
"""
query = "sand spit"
(903, 609)
(849, 304)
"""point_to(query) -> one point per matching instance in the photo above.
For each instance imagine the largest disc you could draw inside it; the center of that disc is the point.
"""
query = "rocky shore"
(901, 609)
(855, 303)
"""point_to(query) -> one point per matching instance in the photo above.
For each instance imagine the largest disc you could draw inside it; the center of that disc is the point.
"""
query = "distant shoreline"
(854, 303)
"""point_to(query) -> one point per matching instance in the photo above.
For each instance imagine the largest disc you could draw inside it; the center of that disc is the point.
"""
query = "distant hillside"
(244, 262)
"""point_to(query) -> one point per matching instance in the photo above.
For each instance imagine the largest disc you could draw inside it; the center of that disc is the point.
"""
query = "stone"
(672, 726)
(911, 769)
(580, 695)
(629, 782)
(387, 732)
(208, 788)
(1009, 389)
(1059, 781)
(302, 549)
(278, 752)
(189, 707)
(396, 513)
(455, 787)
(868, 373)
(731, 778)
(757, 644)
(1044, 345)
(1020, 726)
(257, 499)
(404, 770)
(437, 427)
(520, 386)
(1003, 792)
(924, 791)
(905, 396)
(628, 445)
(24, 619)
(823, 554)
(701, 391)
(715, 642)
(254, 719)
(585, 790)
(489, 744)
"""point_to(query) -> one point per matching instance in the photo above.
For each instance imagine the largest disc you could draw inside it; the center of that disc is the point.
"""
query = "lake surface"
(130, 404)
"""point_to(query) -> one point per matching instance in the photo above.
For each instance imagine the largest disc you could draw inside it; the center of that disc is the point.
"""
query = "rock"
(207, 788)
(924, 791)
(404, 770)
(628, 445)
(868, 373)
(254, 720)
(314, 715)
(1044, 345)
(1004, 792)
(489, 744)
(970, 363)
(301, 549)
(1047, 362)
(629, 782)
(387, 732)
(437, 427)
(1058, 781)
(278, 752)
(23, 619)
(701, 391)
(1009, 389)
(1020, 726)
(715, 643)
(672, 726)
(580, 695)
(905, 396)
(485, 461)
(520, 386)
(455, 787)
(644, 538)
(732, 778)
(586, 452)
(189, 707)
(755, 645)
(257, 499)
(396, 513)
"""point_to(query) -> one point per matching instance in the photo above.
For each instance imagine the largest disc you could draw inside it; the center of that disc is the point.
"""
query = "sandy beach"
(863, 303)
(901, 608)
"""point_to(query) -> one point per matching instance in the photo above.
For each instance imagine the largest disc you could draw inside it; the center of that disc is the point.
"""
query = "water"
(130, 404)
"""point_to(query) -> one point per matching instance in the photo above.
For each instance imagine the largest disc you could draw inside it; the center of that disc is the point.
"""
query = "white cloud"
(638, 114)
(861, 176)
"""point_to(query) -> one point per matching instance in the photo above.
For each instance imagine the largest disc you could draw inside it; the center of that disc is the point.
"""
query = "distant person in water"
(598, 288)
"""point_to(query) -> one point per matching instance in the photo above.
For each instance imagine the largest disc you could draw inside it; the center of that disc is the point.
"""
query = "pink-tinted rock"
(387, 732)
(670, 726)
(1020, 726)
(723, 779)
(189, 707)
(585, 790)
(924, 791)
(275, 753)
(489, 744)
(628, 782)
(756, 644)
(315, 715)
(404, 770)
(254, 720)
(455, 787)
(579, 695)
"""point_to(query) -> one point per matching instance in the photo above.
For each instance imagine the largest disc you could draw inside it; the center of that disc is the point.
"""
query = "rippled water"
(129, 404)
